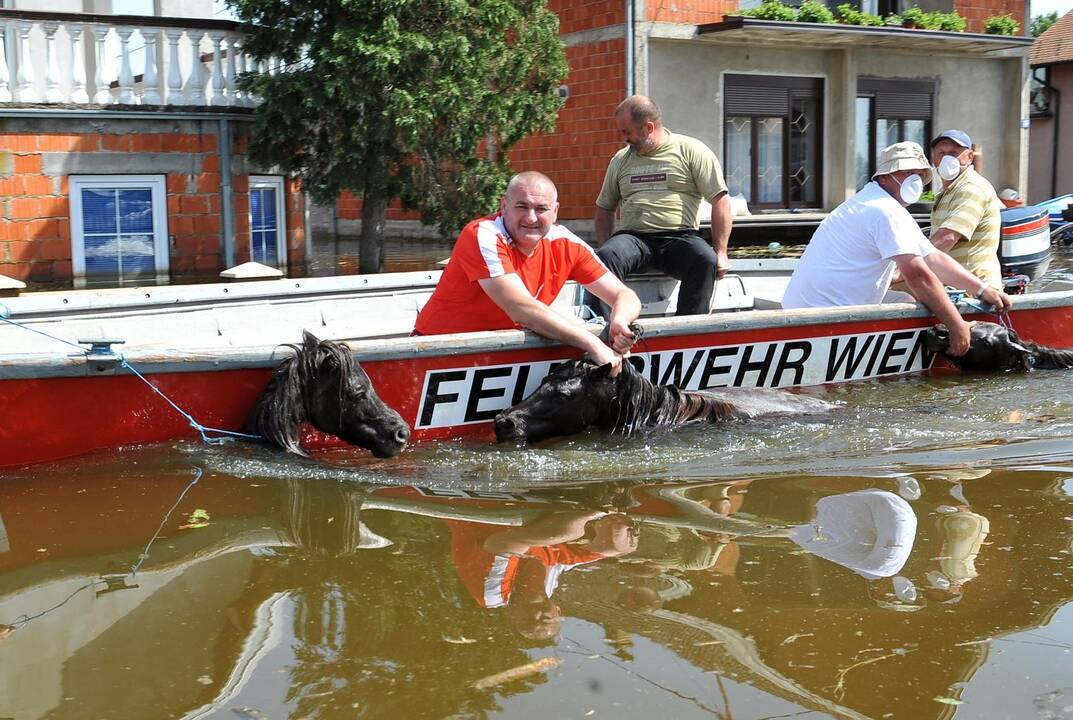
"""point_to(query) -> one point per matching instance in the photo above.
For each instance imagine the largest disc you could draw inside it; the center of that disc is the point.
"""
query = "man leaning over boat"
(856, 250)
(507, 269)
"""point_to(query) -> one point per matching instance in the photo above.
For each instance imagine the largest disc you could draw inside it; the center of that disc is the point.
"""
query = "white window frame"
(275, 182)
(158, 192)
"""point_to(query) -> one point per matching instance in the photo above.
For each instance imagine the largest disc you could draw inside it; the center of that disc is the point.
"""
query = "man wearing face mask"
(965, 221)
(855, 251)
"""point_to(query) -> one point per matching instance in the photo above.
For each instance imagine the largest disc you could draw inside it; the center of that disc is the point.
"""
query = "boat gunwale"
(156, 360)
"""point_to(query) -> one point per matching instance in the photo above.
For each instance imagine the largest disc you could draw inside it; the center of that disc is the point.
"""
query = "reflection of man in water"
(518, 568)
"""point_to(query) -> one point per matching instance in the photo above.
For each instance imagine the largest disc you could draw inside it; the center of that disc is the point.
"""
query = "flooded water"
(909, 555)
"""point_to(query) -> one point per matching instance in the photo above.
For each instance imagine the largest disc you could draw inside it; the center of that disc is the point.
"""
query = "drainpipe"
(629, 47)
(226, 208)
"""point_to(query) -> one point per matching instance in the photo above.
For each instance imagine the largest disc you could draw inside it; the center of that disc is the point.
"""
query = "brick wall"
(576, 16)
(37, 157)
(693, 12)
(976, 12)
(575, 156)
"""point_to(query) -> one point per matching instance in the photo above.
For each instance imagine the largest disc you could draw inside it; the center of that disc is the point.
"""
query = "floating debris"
(199, 518)
(251, 713)
(460, 640)
(949, 701)
(517, 673)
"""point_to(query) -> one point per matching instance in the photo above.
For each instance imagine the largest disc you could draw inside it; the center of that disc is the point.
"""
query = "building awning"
(815, 35)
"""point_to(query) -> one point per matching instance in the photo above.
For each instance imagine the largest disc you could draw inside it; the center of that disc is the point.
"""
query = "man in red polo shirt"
(506, 270)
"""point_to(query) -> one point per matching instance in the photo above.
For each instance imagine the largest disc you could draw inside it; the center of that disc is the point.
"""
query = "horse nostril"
(402, 435)
(504, 423)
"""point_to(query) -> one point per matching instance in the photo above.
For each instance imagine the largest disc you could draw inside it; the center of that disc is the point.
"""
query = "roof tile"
(1055, 45)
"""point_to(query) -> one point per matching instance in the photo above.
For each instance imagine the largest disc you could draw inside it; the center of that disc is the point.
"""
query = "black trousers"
(682, 254)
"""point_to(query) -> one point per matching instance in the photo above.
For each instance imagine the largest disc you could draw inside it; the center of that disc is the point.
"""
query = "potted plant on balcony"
(1001, 25)
(815, 12)
(771, 10)
(951, 22)
(849, 15)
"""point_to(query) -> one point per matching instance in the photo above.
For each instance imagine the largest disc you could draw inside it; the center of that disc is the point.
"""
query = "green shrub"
(913, 17)
(893, 20)
(951, 22)
(772, 10)
(849, 15)
(1001, 25)
(814, 12)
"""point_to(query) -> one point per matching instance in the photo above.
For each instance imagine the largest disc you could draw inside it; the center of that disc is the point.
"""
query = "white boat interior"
(266, 313)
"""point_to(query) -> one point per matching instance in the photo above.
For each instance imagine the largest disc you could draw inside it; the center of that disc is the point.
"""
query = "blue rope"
(24, 619)
(1003, 317)
(202, 430)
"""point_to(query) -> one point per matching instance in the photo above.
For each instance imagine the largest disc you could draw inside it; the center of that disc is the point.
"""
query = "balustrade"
(69, 58)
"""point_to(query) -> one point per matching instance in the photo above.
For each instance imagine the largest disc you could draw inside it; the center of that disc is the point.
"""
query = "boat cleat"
(101, 359)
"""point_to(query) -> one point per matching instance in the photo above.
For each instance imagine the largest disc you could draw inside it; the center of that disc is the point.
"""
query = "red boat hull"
(455, 395)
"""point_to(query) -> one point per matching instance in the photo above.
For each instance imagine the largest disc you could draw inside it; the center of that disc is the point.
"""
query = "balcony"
(71, 61)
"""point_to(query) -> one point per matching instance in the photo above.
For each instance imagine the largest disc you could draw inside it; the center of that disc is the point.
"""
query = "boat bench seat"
(387, 316)
(659, 294)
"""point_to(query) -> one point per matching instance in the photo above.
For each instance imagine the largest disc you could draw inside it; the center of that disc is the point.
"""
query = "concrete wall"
(1043, 154)
(686, 78)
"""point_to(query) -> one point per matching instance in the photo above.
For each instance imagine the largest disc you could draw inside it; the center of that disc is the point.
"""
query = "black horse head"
(579, 393)
(571, 398)
(323, 384)
(991, 347)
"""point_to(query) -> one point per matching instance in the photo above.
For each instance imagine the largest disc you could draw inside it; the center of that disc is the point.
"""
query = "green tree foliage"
(1042, 23)
(415, 99)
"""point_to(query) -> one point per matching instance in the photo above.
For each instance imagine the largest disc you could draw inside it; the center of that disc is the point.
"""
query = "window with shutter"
(772, 131)
(268, 235)
(118, 229)
(890, 111)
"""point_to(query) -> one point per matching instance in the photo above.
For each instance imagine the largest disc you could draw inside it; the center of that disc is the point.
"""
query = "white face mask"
(911, 189)
(949, 168)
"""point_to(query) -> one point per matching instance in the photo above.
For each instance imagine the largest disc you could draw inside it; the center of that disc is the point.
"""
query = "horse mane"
(1047, 358)
(281, 409)
(638, 401)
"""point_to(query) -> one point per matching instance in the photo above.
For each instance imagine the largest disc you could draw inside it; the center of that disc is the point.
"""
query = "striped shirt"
(970, 207)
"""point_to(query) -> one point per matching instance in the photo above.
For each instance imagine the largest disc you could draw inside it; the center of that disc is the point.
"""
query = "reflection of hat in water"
(674, 548)
(871, 532)
(963, 534)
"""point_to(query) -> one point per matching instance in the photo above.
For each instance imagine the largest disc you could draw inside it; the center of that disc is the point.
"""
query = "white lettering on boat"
(460, 396)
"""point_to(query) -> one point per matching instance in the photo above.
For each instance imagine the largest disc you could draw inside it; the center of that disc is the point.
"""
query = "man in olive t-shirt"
(657, 182)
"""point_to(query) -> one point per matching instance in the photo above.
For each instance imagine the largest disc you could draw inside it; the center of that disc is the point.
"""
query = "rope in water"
(203, 430)
(25, 619)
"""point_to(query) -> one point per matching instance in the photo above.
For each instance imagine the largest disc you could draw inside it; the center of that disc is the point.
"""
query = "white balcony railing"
(67, 58)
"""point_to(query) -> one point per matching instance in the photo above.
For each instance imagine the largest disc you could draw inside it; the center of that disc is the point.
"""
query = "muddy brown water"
(907, 556)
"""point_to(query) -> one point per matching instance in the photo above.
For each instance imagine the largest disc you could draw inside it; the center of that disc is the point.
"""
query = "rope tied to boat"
(204, 431)
(1003, 317)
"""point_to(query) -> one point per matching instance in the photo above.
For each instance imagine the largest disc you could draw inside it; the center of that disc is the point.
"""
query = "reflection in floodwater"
(848, 597)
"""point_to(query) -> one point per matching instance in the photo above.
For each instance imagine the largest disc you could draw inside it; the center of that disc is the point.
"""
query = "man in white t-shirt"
(855, 251)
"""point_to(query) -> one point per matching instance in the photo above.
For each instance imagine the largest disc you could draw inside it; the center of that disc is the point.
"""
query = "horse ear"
(602, 371)
(309, 340)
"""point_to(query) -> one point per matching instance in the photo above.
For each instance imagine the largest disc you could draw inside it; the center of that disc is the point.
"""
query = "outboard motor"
(1025, 242)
